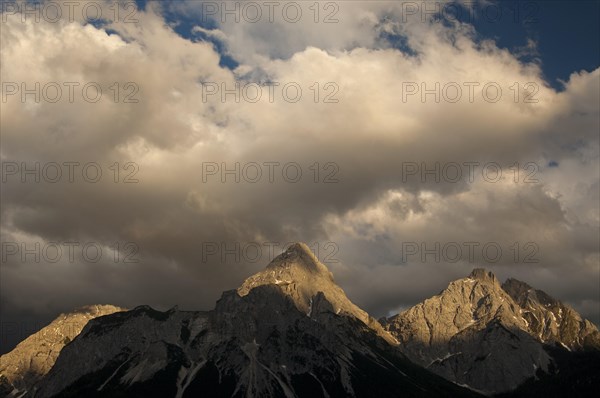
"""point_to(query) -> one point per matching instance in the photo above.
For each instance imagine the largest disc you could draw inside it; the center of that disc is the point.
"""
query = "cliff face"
(551, 321)
(301, 277)
(488, 336)
(24, 366)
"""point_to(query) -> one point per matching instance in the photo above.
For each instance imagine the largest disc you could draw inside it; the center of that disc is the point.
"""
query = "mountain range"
(291, 331)
(490, 336)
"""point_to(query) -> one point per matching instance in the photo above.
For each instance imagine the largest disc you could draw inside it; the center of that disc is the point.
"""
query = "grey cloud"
(170, 214)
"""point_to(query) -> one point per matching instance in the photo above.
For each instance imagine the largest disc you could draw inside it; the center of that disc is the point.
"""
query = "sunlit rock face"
(550, 320)
(488, 336)
(24, 366)
(302, 277)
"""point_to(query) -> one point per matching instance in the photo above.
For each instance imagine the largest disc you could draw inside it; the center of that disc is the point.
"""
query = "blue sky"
(566, 33)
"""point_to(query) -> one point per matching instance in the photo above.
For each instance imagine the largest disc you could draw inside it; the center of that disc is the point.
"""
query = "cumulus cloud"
(357, 153)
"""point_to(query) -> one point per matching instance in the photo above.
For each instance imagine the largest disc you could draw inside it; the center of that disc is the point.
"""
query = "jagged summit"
(299, 255)
(472, 321)
(521, 292)
(550, 320)
(512, 283)
(476, 331)
(33, 357)
(481, 274)
(296, 269)
(302, 277)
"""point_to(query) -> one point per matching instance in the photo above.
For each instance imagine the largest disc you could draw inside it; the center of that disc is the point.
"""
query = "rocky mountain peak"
(480, 274)
(500, 328)
(300, 256)
(294, 269)
(521, 292)
(515, 284)
(33, 357)
(302, 277)
(551, 321)
(471, 321)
